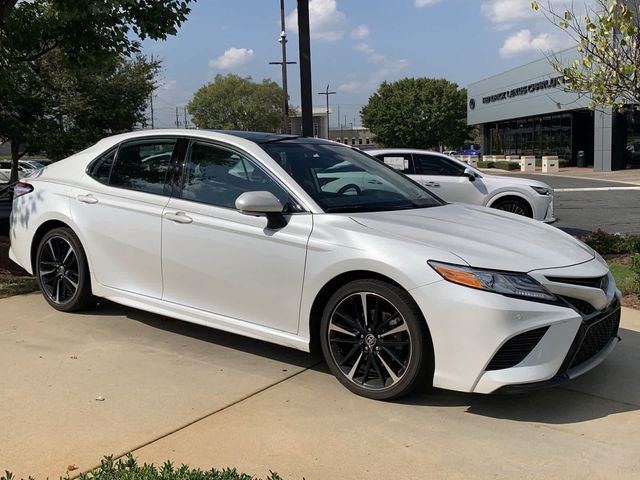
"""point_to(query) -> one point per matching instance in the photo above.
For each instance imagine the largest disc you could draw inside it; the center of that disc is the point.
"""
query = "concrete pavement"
(194, 395)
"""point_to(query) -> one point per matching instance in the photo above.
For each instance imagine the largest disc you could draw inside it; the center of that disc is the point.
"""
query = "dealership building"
(525, 111)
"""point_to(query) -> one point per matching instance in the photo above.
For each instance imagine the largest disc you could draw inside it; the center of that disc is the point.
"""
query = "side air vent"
(593, 282)
(516, 349)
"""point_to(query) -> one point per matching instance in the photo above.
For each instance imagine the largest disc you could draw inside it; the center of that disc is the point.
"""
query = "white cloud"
(326, 22)
(360, 32)
(506, 11)
(523, 42)
(424, 3)
(232, 58)
(387, 69)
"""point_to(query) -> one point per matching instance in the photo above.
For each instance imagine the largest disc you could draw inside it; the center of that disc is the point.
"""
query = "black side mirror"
(470, 174)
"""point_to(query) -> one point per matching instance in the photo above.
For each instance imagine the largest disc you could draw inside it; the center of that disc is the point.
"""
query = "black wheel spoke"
(350, 355)
(367, 368)
(393, 356)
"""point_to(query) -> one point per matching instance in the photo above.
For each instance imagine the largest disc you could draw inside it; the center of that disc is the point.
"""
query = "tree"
(232, 102)
(608, 42)
(417, 113)
(83, 35)
(55, 108)
(84, 29)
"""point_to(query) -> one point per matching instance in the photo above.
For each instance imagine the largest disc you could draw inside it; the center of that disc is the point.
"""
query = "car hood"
(482, 237)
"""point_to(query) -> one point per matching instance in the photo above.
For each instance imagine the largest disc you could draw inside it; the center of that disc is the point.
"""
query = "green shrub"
(611, 244)
(635, 266)
(501, 164)
(128, 469)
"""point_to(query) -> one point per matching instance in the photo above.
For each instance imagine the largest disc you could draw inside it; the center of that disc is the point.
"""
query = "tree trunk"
(15, 157)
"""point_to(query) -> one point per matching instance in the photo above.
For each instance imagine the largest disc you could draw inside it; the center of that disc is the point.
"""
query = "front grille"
(601, 283)
(584, 308)
(596, 337)
(516, 349)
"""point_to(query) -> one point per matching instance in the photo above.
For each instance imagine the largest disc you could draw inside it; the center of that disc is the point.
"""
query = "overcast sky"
(356, 44)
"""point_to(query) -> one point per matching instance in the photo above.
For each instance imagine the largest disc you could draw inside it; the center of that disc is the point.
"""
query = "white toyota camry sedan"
(265, 236)
(455, 181)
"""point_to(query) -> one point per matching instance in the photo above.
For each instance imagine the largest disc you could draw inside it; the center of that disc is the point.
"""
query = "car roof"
(265, 137)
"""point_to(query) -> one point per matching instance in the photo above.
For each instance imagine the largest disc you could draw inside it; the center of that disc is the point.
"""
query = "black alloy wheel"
(374, 339)
(513, 205)
(62, 271)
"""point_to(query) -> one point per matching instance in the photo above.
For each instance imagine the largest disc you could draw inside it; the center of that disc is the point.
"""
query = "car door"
(119, 209)
(221, 261)
(447, 180)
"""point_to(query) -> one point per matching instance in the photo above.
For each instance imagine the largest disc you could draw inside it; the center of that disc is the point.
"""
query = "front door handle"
(178, 217)
(431, 184)
(87, 199)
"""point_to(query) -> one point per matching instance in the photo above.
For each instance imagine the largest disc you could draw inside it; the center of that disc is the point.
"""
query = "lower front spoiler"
(565, 377)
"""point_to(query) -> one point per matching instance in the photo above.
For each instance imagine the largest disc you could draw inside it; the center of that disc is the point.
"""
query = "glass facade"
(537, 136)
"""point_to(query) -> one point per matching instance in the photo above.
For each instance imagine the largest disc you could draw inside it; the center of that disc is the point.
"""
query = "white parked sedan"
(455, 181)
(265, 236)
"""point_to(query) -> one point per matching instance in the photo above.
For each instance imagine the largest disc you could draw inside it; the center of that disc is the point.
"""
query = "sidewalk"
(630, 176)
(180, 392)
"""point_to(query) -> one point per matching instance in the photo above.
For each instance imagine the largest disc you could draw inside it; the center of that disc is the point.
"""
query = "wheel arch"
(330, 287)
(46, 227)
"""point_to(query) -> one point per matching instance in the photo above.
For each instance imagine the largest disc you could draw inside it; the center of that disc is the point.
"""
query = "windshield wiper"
(366, 208)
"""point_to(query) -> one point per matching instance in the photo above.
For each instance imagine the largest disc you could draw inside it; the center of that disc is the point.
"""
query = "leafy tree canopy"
(232, 102)
(608, 42)
(84, 29)
(418, 113)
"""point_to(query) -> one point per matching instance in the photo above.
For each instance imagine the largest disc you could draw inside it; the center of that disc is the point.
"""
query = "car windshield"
(341, 179)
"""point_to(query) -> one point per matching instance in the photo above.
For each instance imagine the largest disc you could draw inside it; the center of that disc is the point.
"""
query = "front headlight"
(513, 284)
(541, 190)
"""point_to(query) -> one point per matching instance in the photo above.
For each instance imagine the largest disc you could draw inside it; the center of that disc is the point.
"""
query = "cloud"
(326, 22)
(523, 42)
(360, 32)
(387, 69)
(232, 58)
(424, 3)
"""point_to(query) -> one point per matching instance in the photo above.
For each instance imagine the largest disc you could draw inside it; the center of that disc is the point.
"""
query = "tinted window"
(101, 168)
(341, 179)
(434, 165)
(218, 176)
(142, 165)
(398, 161)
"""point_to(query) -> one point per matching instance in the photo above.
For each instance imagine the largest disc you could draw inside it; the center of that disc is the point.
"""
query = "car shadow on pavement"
(207, 334)
(612, 387)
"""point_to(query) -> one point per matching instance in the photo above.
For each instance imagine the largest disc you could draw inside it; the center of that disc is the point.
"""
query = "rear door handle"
(178, 217)
(87, 199)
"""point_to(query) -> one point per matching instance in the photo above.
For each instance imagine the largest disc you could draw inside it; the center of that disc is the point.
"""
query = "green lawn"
(624, 278)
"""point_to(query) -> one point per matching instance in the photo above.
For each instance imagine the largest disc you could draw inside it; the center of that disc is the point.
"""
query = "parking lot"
(114, 380)
(584, 205)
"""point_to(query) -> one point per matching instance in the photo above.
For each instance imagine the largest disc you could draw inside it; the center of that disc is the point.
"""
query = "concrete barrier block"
(528, 164)
(550, 164)
(471, 160)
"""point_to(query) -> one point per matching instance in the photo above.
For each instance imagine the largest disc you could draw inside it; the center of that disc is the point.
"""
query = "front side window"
(341, 179)
(217, 176)
(434, 165)
(142, 165)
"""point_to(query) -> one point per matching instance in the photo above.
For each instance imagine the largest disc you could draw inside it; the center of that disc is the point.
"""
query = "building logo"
(525, 90)
(472, 103)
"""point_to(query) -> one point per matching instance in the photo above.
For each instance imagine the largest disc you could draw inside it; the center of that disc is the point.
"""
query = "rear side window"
(435, 165)
(101, 168)
(398, 161)
(143, 165)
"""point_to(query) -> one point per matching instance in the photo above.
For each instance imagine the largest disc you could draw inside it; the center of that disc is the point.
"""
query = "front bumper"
(470, 327)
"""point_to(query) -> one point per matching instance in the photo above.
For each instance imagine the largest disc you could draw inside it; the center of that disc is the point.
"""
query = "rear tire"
(515, 206)
(382, 354)
(62, 271)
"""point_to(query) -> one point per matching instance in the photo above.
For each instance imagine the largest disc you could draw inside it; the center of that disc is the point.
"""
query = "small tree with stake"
(608, 42)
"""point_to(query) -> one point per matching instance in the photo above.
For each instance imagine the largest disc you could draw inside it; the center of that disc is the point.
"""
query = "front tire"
(62, 271)
(514, 205)
(375, 341)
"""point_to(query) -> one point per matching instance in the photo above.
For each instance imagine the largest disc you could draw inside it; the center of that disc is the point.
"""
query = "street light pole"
(284, 63)
(326, 93)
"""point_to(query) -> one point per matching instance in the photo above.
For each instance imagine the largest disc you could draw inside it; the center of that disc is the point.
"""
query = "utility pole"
(326, 93)
(304, 47)
(185, 117)
(151, 106)
(341, 138)
(284, 63)
(177, 119)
